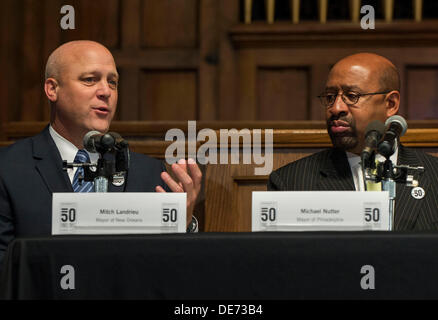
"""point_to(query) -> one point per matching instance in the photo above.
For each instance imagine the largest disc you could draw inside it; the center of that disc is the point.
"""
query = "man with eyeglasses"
(361, 88)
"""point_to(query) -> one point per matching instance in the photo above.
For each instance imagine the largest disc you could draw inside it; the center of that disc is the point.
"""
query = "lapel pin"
(118, 179)
(418, 193)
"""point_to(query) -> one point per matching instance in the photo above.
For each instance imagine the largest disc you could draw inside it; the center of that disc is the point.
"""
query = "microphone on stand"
(94, 141)
(374, 132)
(114, 156)
(396, 127)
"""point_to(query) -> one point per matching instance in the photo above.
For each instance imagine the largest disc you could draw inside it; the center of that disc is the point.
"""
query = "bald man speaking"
(361, 88)
(81, 83)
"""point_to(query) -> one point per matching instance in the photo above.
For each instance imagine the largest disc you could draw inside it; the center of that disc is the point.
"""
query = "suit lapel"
(335, 172)
(407, 207)
(48, 163)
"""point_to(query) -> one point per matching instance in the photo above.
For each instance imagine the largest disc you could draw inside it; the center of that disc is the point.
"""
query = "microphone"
(119, 141)
(94, 141)
(396, 127)
(373, 133)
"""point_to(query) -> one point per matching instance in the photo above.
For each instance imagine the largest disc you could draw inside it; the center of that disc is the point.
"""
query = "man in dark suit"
(81, 83)
(359, 89)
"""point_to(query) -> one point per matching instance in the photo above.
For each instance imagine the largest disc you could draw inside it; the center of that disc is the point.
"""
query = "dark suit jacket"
(31, 170)
(330, 170)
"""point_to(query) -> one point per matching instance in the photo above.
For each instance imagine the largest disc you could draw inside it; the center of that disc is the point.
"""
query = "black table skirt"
(204, 266)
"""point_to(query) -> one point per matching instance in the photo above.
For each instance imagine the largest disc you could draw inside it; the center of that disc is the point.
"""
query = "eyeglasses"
(350, 98)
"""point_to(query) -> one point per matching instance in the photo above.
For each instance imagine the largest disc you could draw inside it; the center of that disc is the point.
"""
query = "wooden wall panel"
(283, 94)
(422, 94)
(6, 37)
(12, 76)
(169, 23)
(31, 69)
(228, 72)
(318, 62)
(231, 69)
(97, 20)
(33, 31)
(168, 95)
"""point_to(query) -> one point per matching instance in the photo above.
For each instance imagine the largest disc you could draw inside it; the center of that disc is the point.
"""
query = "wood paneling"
(347, 35)
(209, 62)
(168, 95)
(169, 23)
(11, 75)
(30, 67)
(422, 84)
(130, 24)
(192, 59)
(97, 20)
(5, 63)
(228, 80)
(283, 94)
(318, 62)
(147, 137)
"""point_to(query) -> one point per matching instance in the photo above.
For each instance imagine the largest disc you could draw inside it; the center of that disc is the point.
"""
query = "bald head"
(81, 84)
(59, 60)
(379, 67)
(370, 87)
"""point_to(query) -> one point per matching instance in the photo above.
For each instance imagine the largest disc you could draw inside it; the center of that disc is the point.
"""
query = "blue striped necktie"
(83, 186)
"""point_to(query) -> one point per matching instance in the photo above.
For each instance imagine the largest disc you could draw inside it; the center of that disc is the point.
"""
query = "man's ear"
(51, 88)
(392, 101)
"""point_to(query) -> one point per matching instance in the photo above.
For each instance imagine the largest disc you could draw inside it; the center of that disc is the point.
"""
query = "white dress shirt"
(68, 151)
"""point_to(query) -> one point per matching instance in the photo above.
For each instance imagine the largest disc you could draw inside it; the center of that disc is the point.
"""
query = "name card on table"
(118, 213)
(320, 210)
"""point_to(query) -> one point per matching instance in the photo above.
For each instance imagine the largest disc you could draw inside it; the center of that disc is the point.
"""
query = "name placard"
(320, 210)
(118, 213)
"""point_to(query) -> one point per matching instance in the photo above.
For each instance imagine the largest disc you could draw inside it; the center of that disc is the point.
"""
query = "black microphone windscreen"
(115, 135)
(89, 142)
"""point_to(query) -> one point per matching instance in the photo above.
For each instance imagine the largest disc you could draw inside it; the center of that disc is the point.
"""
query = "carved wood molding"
(148, 137)
(283, 34)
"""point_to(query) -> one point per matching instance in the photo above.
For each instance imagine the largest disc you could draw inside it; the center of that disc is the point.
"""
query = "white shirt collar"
(68, 150)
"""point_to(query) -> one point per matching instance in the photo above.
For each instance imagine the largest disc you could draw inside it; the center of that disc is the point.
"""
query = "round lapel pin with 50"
(418, 193)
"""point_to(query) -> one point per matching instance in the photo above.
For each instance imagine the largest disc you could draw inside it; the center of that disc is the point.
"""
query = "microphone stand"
(389, 184)
(390, 174)
(113, 159)
(97, 172)
(103, 172)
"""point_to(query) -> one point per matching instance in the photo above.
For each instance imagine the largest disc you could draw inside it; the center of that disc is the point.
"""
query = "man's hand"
(189, 176)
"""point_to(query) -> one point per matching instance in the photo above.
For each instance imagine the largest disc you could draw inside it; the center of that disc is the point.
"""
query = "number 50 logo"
(68, 214)
(372, 214)
(268, 214)
(169, 214)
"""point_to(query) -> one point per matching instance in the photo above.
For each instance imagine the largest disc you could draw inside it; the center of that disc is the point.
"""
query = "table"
(229, 266)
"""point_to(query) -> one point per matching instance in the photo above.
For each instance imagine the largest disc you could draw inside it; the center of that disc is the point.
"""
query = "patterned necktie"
(374, 186)
(81, 186)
